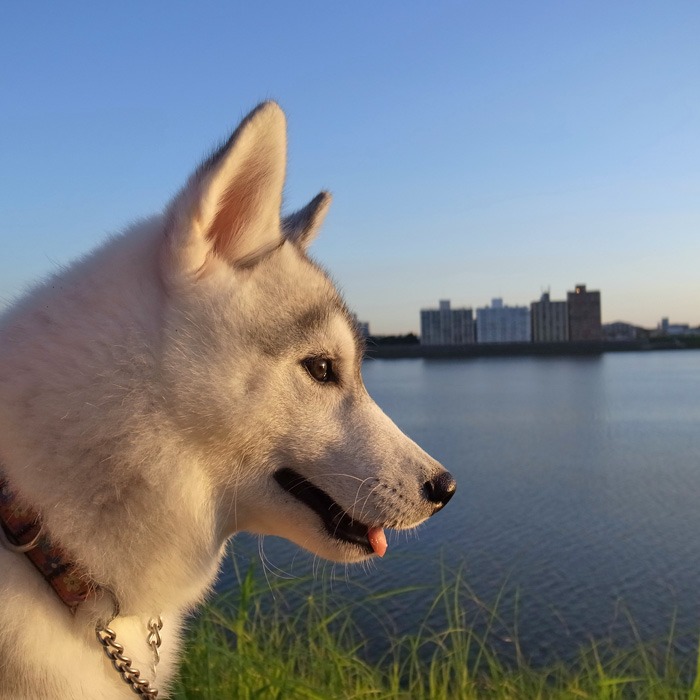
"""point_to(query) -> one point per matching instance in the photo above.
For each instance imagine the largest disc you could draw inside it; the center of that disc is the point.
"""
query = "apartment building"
(550, 320)
(499, 323)
(446, 326)
(584, 314)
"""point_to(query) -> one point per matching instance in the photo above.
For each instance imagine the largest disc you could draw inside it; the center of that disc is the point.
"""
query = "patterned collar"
(22, 530)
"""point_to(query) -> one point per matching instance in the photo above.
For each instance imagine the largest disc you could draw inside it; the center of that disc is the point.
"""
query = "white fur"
(147, 395)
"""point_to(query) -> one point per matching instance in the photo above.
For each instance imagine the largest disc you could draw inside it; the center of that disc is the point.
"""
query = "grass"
(282, 642)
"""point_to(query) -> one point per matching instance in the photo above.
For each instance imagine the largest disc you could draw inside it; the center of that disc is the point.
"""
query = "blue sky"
(474, 149)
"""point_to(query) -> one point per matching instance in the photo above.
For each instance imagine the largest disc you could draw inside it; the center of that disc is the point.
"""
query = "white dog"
(195, 376)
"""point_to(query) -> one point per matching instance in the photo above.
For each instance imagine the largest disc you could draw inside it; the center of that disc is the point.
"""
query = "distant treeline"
(408, 339)
(406, 346)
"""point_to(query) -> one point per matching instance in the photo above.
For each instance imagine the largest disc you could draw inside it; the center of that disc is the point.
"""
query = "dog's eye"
(320, 368)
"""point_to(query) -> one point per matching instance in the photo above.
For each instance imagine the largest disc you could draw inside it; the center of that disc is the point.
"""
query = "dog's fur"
(150, 393)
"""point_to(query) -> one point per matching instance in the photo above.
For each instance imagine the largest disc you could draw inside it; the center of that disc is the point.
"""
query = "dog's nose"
(440, 489)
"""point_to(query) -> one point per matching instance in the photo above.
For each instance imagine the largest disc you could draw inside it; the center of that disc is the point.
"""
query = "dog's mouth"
(338, 524)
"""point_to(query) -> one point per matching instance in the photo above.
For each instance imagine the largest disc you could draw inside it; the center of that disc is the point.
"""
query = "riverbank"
(253, 645)
(377, 348)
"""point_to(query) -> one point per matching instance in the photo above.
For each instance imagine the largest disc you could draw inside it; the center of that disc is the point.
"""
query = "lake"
(578, 501)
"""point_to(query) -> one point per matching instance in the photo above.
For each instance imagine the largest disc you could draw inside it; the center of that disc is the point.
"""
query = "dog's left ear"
(302, 227)
(229, 211)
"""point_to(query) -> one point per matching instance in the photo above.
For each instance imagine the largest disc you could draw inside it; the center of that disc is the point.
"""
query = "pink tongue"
(377, 540)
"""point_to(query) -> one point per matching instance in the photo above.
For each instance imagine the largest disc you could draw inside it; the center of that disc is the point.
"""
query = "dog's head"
(262, 365)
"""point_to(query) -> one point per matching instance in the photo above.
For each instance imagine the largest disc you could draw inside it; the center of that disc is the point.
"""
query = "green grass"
(255, 645)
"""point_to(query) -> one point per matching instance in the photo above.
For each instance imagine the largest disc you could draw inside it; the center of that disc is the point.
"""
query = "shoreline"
(378, 350)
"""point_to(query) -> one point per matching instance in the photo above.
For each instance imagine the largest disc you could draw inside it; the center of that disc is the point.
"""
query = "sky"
(474, 149)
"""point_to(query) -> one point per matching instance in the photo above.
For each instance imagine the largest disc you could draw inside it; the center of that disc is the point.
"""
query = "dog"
(196, 376)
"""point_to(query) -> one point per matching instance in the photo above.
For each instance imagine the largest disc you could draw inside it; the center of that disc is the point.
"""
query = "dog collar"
(21, 531)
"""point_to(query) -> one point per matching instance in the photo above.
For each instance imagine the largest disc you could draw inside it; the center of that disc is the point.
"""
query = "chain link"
(107, 637)
(155, 625)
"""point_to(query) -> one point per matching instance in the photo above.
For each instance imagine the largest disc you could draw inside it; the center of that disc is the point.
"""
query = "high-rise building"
(446, 326)
(584, 314)
(430, 327)
(362, 326)
(503, 324)
(550, 321)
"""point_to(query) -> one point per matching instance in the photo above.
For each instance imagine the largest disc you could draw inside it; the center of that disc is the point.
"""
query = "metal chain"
(155, 625)
(107, 637)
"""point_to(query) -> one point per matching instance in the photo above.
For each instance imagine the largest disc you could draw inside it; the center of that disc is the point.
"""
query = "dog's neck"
(21, 532)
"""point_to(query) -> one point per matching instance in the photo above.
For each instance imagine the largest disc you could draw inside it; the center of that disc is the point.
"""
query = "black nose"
(440, 489)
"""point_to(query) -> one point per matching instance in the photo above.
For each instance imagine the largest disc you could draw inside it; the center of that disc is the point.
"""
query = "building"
(503, 324)
(550, 320)
(666, 328)
(584, 314)
(362, 326)
(446, 326)
(619, 330)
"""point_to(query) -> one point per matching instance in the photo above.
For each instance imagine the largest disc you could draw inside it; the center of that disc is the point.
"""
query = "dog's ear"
(302, 226)
(230, 208)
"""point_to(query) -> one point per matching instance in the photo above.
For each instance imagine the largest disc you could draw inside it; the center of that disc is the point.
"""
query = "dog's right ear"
(302, 226)
(230, 208)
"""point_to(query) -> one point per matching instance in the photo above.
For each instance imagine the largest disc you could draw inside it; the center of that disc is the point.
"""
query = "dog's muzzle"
(340, 525)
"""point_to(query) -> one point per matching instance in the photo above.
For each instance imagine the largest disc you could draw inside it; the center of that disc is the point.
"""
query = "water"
(578, 503)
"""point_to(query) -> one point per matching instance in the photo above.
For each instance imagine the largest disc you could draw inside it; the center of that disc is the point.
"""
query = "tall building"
(446, 326)
(430, 327)
(503, 324)
(550, 320)
(584, 314)
(362, 326)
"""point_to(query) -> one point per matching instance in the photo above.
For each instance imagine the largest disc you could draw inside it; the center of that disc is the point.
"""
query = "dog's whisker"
(357, 495)
(261, 554)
